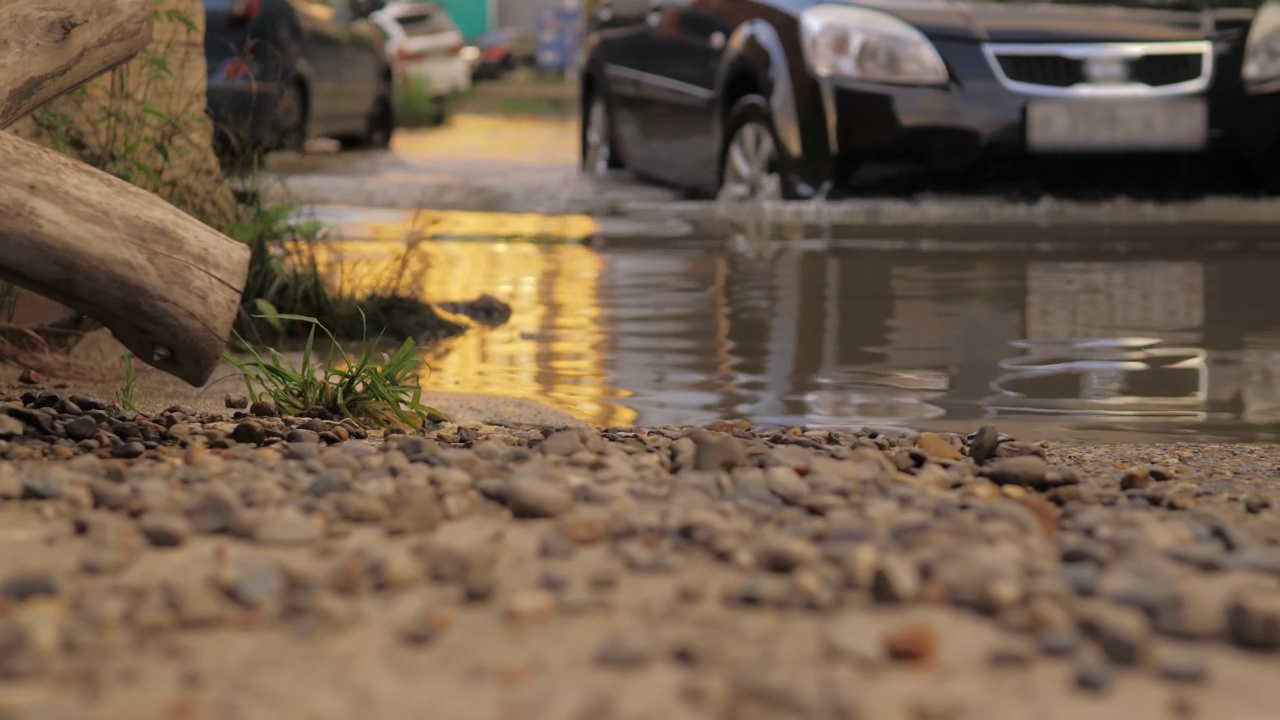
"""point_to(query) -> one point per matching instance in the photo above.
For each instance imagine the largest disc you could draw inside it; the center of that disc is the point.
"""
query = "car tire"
(380, 125)
(289, 121)
(750, 156)
(439, 111)
(599, 153)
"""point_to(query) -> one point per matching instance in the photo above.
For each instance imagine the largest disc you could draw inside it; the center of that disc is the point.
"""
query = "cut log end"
(166, 285)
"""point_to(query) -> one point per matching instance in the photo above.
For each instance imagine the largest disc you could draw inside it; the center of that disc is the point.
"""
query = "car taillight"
(236, 69)
(405, 56)
(242, 12)
(494, 53)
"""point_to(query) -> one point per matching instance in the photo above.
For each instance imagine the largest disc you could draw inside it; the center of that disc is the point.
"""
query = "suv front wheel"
(750, 168)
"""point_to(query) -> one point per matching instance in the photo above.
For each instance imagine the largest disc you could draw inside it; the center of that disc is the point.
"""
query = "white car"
(424, 44)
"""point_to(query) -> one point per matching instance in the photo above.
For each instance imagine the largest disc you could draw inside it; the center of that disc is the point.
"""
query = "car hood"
(1033, 21)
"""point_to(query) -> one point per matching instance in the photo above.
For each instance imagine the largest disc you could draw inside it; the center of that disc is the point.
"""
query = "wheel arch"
(755, 61)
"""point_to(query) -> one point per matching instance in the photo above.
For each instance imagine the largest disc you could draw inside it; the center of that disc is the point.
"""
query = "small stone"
(983, 444)
(81, 428)
(395, 570)
(197, 603)
(1253, 620)
(288, 528)
(249, 433)
(26, 585)
(1059, 642)
(1092, 670)
(480, 574)
(304, 437)
(128, 450)
(417, 510)
(164, 529)
(530, 604)
(855, 640)
(1121, 631)
(916, 643)
(264, 408)
(361, 508)
(935, 446)
(1012, 652)
(782, 554)
(897, 579)
(1138, 478)
(103, 560)
(625, 649)
(556, 545)
(213, 511)
(717, 452)
(563, 443)
(31, 377)
(235, 401)
(424, 627)
(786, 483)
(1183, 666)
(257, 582)
(11, 427)
(537, 498)
(1025, 471)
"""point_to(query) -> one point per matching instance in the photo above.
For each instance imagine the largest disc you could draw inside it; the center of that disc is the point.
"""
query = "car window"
(425, 21)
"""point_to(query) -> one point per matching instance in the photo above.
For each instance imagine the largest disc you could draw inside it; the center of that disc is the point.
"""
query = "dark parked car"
(285, 71)
(790, 97)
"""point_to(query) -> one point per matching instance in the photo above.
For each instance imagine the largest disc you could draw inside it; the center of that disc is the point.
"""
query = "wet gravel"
(706, 565)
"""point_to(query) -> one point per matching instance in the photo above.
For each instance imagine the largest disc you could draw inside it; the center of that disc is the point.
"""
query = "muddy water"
(808, 333)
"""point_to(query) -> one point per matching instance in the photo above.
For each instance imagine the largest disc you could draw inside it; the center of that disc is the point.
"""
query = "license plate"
(1117, 125)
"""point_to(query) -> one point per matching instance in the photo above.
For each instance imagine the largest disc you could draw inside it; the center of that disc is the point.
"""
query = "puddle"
(832, 334)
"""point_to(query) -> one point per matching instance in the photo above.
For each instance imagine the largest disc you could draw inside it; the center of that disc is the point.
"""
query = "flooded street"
(1097, 336)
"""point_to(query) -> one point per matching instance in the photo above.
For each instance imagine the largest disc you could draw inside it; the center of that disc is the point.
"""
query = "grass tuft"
(379, 394)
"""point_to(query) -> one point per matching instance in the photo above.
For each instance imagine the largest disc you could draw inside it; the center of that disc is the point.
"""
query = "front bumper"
(952, 129)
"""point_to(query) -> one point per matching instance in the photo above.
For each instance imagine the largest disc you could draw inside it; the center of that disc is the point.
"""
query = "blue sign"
(559, 38)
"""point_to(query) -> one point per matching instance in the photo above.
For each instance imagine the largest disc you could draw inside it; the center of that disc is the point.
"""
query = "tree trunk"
(50, 47)
(165, 284)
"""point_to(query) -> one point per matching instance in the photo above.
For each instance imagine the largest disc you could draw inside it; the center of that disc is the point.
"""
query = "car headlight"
(1262, 48)
(860, 44)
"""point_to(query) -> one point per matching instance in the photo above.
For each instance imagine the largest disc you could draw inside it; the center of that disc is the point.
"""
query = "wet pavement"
(1123, 318)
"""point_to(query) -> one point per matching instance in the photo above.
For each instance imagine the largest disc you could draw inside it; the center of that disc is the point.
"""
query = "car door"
(322, 40)
(687, 38)
(364, 72)
(625, 52)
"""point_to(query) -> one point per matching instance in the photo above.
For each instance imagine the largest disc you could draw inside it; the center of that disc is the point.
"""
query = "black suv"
(794, 98)
(284, 71)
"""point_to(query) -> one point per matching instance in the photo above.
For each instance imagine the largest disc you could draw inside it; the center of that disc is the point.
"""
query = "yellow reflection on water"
(506, 138)
(552, 350)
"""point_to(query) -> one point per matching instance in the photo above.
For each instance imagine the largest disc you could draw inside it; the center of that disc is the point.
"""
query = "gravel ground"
(240, 565)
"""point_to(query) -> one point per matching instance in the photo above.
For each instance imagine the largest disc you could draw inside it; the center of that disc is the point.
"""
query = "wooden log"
(166, 285)
(49, 47)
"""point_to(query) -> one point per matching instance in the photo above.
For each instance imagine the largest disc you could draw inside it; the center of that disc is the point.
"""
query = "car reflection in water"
(1109, 339)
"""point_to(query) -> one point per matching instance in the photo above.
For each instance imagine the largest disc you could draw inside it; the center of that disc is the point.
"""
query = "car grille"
(1157, 70)
(1050, 70)
(1066, 69)
(1056, 71)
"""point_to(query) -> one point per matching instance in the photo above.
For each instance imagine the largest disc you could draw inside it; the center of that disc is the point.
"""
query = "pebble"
(1183, 666)
(1253, 620)
(1025, 471)
(1092, 671)
(935, 446)
(165, 530)
(983, 444)
(897, 579)
(625, 650)
(287, 528)
(537, 498)
(1122, 632)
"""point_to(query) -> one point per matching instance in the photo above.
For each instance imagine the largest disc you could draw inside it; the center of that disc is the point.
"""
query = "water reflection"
(809, 333)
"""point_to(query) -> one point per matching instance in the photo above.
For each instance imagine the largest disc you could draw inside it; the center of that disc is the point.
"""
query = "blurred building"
(477, 17)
